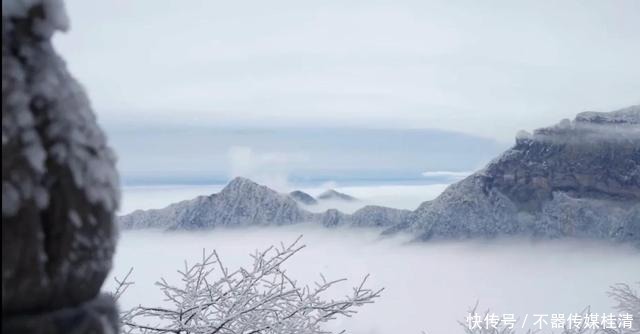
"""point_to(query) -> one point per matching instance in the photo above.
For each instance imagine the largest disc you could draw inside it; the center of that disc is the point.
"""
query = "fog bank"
(428, 285)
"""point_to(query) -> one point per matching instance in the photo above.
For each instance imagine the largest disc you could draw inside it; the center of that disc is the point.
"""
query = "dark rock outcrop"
(59, 185)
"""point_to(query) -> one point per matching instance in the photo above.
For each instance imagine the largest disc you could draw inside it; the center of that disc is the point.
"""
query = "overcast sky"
(487, 68)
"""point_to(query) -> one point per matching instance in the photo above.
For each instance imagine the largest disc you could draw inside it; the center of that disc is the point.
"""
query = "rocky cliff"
(577, 178)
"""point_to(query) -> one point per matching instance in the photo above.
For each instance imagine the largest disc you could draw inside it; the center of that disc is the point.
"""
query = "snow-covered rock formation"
(241, 203)
(59, 185)
(578, 178)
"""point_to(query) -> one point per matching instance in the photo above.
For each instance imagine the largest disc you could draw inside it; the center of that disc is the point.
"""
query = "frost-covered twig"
(122, 285)
(628, 301)
(260, 299)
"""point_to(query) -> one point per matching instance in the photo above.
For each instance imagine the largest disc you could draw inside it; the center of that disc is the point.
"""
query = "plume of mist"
(268, 168)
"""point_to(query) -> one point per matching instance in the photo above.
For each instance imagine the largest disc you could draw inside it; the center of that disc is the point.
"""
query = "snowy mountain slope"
(241, 203)
(578, 178)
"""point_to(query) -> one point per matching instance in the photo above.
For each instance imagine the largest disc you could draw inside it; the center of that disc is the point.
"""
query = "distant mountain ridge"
(578, 178)
(245, 203)
(241, 203)
(332, 194)
(303, 197)
(329, 195)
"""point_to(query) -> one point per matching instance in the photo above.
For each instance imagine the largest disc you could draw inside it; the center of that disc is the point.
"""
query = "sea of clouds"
(428, 286)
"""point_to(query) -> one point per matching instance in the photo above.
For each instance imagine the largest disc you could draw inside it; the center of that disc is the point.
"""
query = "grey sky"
(488, 68)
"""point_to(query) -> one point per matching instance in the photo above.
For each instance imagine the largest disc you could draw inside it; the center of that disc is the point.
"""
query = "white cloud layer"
(429, 286)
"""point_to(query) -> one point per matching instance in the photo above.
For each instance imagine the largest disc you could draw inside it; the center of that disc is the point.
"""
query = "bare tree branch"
(260, 299)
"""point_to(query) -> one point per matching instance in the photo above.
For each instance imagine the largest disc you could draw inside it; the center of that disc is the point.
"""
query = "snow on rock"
(615, 126)
(624, 117)
(241, 203)
(59, 183)
(48, 112)
(580, 178)
(47, 15)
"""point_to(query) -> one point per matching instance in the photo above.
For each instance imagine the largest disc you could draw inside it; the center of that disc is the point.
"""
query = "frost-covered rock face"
(241, 203)
(595, 156)
(59, 184)
(578, 178)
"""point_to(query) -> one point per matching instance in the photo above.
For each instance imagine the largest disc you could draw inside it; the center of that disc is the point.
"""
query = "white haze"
(268, 168)
(428, 285)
